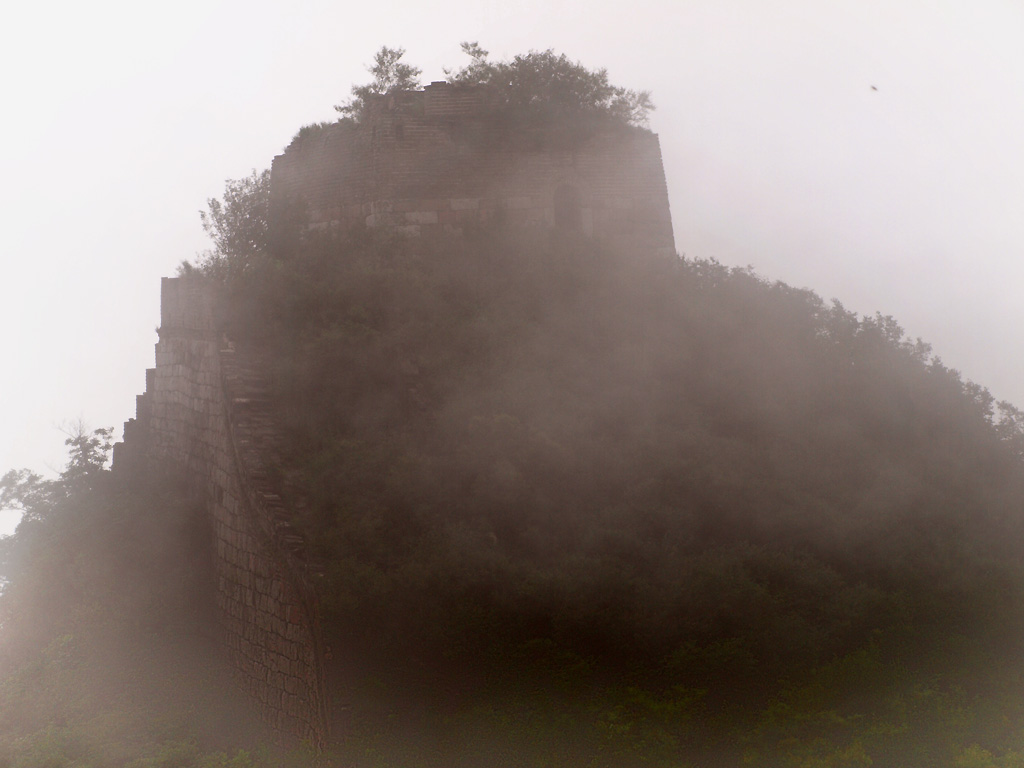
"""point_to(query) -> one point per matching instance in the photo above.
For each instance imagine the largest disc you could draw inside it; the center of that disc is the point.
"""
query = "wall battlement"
(439, 160)
(204, 412)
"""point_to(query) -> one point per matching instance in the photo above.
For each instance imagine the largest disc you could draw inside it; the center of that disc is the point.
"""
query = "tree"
(26, 492)
(239, 226)
(1010, 426)
(35, 497)
(546, 83)
(88, 452)
(389, 73)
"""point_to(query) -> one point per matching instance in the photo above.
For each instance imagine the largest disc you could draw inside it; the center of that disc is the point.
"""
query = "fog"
(867, 150)
(547, 495)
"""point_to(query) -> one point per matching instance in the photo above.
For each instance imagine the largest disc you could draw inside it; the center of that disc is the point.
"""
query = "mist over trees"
(536, 89)
(573, 505)
(551, 84)
(238, 226)
(389, 73)
(108, 653)
(592, 485)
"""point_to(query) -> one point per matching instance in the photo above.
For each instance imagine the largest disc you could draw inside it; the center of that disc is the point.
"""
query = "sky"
(867, 149)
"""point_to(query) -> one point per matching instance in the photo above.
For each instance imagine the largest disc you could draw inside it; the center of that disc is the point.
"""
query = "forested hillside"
(640, 509)
(570, 506)
(573, 506)
(108, 650)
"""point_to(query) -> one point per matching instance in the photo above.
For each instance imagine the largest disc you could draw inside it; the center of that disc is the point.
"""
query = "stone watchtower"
(441, 160)
(430, 161)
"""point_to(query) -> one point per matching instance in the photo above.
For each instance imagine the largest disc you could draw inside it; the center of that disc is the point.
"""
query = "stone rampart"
(204, 411)
(437, 161)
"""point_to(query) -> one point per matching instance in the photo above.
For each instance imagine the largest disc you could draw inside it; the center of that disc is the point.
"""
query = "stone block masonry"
(204, 411)
(439, 161)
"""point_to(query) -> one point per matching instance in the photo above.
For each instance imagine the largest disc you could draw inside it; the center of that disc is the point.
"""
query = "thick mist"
(568, 502)
(778, 154)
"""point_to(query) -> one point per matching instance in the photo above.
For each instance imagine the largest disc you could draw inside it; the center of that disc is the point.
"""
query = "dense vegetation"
(538, 82)
(630, 510)
(539, 89)
(574, 506)
(108, 652)
(389, 73)
(549, 85)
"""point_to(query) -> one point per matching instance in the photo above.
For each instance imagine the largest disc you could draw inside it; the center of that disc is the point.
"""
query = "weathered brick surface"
(417, 156)
(205, 411)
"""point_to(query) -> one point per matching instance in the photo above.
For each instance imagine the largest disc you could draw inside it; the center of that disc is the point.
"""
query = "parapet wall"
(204, 411)
(437, 161)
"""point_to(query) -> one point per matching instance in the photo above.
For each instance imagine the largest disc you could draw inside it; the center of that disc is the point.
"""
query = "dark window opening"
(568, 211)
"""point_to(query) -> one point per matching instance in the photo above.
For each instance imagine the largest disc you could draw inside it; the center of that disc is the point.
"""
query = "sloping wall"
(204, 411)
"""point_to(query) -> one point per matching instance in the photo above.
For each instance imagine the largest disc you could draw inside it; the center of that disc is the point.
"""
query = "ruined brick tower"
(439, 160)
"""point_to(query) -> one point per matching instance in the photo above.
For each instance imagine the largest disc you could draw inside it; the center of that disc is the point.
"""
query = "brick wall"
(205, 411)
(436, 161)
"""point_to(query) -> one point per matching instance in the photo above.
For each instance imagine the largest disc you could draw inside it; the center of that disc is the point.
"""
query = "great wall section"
(439, 161)
(204, 412)
(423, 163)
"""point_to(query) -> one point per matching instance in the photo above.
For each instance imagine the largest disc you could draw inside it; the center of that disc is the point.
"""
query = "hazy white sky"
(121, 118)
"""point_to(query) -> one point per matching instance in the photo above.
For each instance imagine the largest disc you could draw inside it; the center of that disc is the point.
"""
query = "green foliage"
(239, 227)
(35, 497)
(174, 754)
(596, 508)
(24, 491)
(549, 84)
(105, 614)
(88, 453)
(539, 85)
(306, 133)
(389, 73)
(977, 757)
(53, 748)
(686, 507)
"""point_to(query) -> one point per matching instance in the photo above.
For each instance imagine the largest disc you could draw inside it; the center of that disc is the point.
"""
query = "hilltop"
(567, 477)
(560, 499)
(590, 506)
